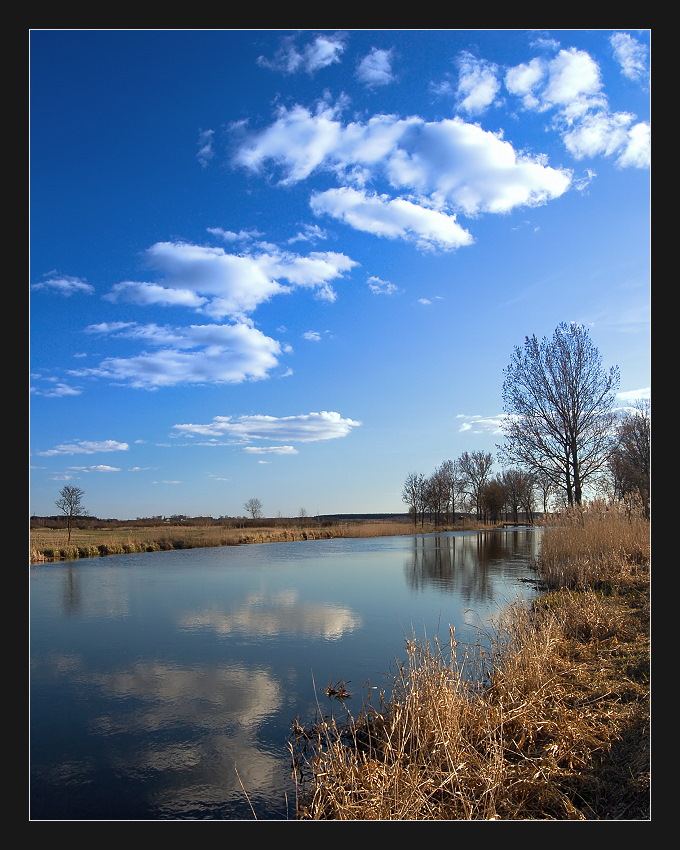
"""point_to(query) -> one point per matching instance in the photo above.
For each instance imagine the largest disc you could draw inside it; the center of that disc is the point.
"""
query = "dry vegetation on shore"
(555, 726)
(48, 544)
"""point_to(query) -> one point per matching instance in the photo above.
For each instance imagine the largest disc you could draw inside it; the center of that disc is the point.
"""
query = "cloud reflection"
(277, 614)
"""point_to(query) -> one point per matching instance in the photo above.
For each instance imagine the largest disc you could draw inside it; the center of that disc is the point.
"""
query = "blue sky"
(292, 265)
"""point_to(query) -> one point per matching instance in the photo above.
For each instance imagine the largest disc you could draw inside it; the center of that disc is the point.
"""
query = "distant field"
(52, 544)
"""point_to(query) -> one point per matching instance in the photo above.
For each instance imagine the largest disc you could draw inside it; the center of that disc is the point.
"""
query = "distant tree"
(302, 513)
(413, 495)
(254, 508)
(630, 461)
(519, 487)
(558, 402)
(492, 499)
(455, 483)
(70, 503)
(475, 468)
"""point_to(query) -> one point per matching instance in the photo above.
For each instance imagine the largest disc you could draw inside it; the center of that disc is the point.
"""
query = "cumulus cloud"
(322, 51)
(478, 84)
(86, 447)
(65, 285)
(570, 85)
(304, 428)
(375, 69)
(396, 218)
(219, 284)
(610, 134)
(448, 162)
(228, 354)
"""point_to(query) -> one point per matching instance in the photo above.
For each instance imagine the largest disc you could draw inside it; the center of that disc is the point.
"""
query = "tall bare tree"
(70, 503)
(558, 401)
(475, 468)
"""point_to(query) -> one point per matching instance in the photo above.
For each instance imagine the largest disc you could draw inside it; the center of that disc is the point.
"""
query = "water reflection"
(164, 685)
(280, 613)
(467, 564)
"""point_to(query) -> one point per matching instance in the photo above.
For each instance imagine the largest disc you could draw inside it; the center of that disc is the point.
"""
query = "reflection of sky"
(277, 614)
(155, 678)
(191, 728)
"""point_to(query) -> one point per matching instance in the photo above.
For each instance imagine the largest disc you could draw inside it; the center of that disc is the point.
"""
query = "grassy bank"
(53, 545)
(554, 725)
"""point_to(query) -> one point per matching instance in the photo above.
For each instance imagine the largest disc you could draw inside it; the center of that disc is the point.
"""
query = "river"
(163, 685)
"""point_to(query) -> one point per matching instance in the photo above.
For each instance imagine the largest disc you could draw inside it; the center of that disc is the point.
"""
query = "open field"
(556, 726)
(52, 544)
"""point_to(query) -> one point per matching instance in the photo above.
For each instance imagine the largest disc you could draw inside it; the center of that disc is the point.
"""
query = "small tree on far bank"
(70, 504)
(254, 508)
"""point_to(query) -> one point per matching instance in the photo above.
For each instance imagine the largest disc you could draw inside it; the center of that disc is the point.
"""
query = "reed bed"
(549, 722)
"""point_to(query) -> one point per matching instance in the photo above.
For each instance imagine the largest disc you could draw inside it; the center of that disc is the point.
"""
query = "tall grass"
(549, 723)
(592, 545)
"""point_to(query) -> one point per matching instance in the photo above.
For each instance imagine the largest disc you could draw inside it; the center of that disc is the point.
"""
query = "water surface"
(164, 684)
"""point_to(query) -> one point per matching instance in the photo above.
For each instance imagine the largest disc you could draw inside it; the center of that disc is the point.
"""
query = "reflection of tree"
(71, 592)
(464, 564)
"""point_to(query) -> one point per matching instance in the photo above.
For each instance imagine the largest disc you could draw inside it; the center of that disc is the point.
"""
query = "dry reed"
(549, 723)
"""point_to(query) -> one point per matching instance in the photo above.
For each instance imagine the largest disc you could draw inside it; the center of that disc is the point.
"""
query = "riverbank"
(48, 545)
(555, 726)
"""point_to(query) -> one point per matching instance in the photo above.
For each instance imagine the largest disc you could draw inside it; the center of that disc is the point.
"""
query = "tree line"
(563, 438)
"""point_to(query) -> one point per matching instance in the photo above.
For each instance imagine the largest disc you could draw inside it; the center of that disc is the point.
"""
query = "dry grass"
(552, 726)
(52, 544)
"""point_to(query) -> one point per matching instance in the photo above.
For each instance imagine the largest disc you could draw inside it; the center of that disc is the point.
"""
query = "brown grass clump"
(550, 723)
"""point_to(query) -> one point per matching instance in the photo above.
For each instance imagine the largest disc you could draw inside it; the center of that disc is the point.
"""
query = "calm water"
(163, 684)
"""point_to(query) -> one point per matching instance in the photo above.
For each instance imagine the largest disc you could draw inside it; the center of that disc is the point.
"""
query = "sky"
(292, 265)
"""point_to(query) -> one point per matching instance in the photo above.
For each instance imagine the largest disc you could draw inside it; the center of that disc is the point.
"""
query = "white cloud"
(228, 354)
(65, 285)
(276, 450)
(323, 51)
(608, 134)
(571, 85)
(312, 336)
(58, 390)
(135, 292)
(205, 147)
(305, 428)
(381, 287)
(98, 468)
(481, 424)
(634, 395)
(631, 56)
(477, 84)
(86, 447)
(397, 218)
(449, 162)
(220, 284)
(375, 69)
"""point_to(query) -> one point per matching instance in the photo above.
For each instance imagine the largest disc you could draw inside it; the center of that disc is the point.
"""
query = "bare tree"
(475, 468)
(413, 495)
(70, 503)
(254, 508)
(558, 402)
(630, 461)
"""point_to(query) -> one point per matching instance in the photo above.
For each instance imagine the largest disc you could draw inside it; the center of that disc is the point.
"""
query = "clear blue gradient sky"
(292, 265)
